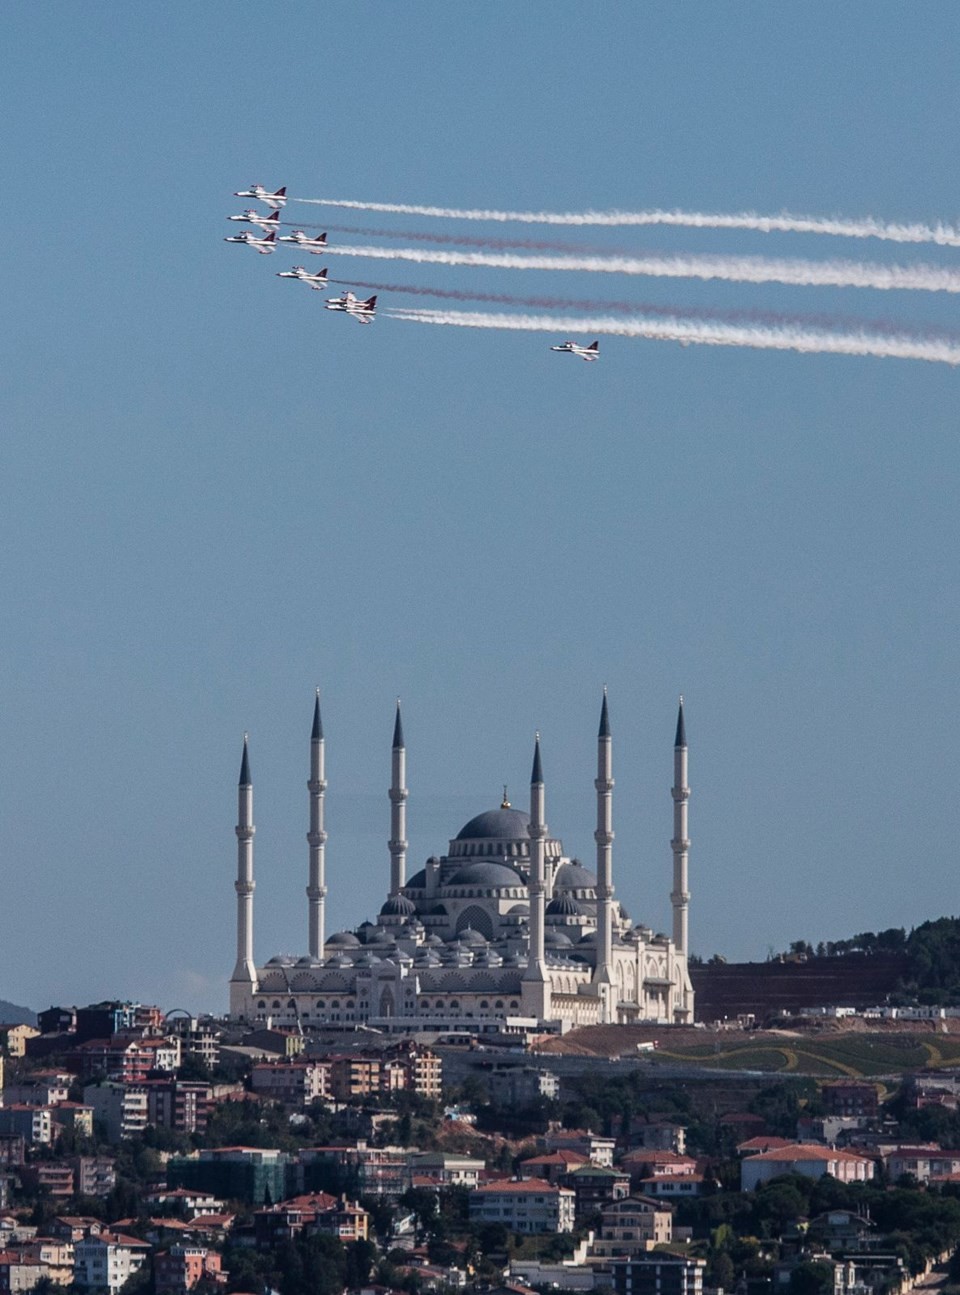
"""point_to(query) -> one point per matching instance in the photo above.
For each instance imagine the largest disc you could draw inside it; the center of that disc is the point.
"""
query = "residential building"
(446, 1169)
(34, 1123)
(521, 1085)
(94, 1175)
(107, 1261)
(921, 1163)
(49, 1176)
(13, 1038)
(179, 1269)
(594, 1187)
(121, 1109)
(809, 1159)
(19, 1273)
(354, 1075)
(76, 1116)
(552, 1165)
(633, 1226)
(658, 1275)
(179, 1104)
(296, 1083)
(42, 1088)
(524, 1205)
(594, 1146)
(851, 1097)
(672, 1186)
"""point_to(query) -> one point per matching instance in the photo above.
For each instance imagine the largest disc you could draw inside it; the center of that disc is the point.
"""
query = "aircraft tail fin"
(281, 193)
(594, 346)
(371, 303)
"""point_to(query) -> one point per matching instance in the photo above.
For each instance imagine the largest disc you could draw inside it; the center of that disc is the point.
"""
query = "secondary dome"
(573, 876)
(491, 876)
(497, 825)
(398, 906)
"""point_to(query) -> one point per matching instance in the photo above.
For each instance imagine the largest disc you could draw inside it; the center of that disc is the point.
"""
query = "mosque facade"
(503, 931)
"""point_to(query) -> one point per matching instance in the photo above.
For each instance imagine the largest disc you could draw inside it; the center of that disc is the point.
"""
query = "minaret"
(680, 898)
(535, 981)
(243, 982)
(398, 810)
(603, 977)
(316, 838)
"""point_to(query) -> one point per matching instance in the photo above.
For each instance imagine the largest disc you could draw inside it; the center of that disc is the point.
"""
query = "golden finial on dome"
(505, 804)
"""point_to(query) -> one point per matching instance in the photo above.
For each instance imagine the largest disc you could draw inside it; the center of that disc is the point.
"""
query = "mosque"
(504, 931)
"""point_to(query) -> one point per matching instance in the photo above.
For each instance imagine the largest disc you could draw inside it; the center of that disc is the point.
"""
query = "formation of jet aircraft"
(361, 311)
(262, 245)
(591, 352)
(266, 223)
(275, 200)
(318, 281)
(309, 244)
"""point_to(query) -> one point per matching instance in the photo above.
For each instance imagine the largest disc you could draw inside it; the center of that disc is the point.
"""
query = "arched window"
(261, 1005)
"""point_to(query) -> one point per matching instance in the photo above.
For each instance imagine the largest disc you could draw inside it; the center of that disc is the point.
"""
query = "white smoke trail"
(704, 333)
(738, 269)
(862, 227)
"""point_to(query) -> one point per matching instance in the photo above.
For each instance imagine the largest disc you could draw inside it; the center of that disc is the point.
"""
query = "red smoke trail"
(462, 240)
(771, 318)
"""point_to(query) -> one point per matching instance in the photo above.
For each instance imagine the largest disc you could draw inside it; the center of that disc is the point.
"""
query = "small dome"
(367, 960)
(432, 941)
(573, 876)
(519, 910)
(418, 881)
(469, 936)
(307, 961)
(343, 940)
(340, 960)
(489, 876)
(563, 906)
(557, 940)
(497, 825)
(398, 906)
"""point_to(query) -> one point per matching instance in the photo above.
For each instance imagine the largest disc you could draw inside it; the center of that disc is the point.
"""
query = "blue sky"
(216, 496)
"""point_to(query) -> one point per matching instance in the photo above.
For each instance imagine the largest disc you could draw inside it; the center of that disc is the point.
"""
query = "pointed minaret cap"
(537, 774)
(398, 730)
(317, 732)
(604, 717)
(245, 780)
(681, 738)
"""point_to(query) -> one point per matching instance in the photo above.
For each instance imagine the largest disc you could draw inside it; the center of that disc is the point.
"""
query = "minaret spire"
(680, 845)
(316, 837)
(535, 984)
(398, 808)
(243, 982)
(604, 979)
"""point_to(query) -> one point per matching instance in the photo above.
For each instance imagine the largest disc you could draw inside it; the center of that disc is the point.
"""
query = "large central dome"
(497, 825)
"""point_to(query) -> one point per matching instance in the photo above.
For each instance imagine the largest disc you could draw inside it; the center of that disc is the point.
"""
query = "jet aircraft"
(266, 223)
(263, 245)
(591, 352)
(318, 281)
(315, 245)
(362, 311)
(262, 195)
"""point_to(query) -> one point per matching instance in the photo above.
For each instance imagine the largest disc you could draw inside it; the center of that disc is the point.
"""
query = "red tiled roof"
(806, 1151)
(524, 1185)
